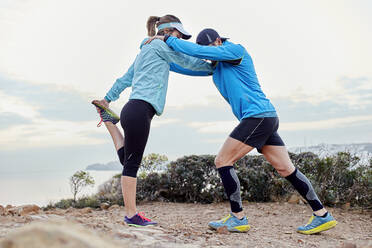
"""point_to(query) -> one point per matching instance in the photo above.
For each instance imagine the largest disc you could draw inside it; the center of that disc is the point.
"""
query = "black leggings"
(135, 118)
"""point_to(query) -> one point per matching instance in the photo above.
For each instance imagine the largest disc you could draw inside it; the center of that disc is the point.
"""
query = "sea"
(44, 187)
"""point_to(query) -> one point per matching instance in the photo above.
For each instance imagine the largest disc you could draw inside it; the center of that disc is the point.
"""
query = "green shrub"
(64, 204)
(110, 191)
(194, 179)
(155, 186)
(337, 179)
(88, 201)
(83, 202)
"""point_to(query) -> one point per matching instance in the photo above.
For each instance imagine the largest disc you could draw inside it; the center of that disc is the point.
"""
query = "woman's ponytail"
(151, 22)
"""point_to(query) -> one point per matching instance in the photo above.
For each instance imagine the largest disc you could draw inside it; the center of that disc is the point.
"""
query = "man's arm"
(179, 69)
(120, 84)
(217, 53)
(183, 60)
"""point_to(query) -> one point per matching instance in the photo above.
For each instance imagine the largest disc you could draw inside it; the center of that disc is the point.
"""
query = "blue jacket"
(149, 73)
(234, 76)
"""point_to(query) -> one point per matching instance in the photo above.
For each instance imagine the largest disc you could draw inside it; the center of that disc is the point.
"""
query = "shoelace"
(310, 221)
(224, 219)
(100, 123)
(142, 215)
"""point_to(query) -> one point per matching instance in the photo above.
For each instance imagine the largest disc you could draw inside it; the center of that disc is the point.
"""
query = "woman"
(235, 78)
(148, 77)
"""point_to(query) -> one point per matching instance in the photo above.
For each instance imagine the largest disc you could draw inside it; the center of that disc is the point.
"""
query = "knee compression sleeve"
(231, 184)
(130, 163)
(304, 187)
(130, 169)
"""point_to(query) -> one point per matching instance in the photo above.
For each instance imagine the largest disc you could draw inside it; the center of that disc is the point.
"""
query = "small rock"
(294, 199)
(57, 235)
(105, 206)
(116, 206)
(8, 207)
(12, 211)
(86, 210)
(346, 206)
(208, 211)
(125, 236)
(222, 230)
(55, 212)
(2, 210)
(70, 210)
(348, 245)
(28, 209)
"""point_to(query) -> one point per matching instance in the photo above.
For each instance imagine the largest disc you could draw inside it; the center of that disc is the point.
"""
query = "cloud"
(11, 119)
(18, 106)
(161, 122)
(214, 127)
(34, 115)
(47, 101)
(225, 126)
(355, 92)
(44, 133)
(336, 123)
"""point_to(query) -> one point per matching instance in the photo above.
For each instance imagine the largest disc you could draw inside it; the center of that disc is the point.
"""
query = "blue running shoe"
(106, 114)
(232, 223)
(139, 220)
(318, 224)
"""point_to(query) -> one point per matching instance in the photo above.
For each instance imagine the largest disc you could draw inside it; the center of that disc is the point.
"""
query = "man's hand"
(160, 37)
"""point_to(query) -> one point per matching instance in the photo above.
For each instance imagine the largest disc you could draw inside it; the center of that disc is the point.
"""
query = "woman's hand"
(102, 102)
(160, 37)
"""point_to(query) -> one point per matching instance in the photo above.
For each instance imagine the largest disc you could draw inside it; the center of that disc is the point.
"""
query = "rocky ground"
(185, 225)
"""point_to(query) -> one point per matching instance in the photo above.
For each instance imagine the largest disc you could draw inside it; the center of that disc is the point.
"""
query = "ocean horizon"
(43, 187)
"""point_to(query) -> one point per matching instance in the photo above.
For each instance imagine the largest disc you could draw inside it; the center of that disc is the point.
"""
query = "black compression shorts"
(258, 132)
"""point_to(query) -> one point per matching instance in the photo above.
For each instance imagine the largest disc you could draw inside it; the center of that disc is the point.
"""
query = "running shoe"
(232, 223)
(139, 220)
(318, 224)
(106, 114)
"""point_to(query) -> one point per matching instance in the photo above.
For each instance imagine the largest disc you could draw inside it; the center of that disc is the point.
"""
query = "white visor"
(178, 26)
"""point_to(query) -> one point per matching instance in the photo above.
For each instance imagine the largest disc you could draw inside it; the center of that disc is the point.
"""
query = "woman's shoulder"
(154, 44)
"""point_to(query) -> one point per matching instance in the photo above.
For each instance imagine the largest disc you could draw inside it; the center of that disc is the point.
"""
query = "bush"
(194, 179)
(110, 191)
(337, 179)
(155, 186)
(85, 201)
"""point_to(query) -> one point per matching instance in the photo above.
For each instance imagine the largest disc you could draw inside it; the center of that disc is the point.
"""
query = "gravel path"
(185, 225)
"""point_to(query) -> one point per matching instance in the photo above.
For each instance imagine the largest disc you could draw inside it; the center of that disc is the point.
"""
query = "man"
(235, 78)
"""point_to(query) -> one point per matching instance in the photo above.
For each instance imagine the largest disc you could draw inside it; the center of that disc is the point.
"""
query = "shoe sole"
(107, 110)
(242, 228)
(321, 228)
(140, 225)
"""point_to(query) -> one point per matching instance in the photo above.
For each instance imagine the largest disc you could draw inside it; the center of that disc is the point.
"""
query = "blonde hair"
(155, 21)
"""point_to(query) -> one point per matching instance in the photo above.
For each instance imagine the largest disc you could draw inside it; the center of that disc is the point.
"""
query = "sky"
(312, 58)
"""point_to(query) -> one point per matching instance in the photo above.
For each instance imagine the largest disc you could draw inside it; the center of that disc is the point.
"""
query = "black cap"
(208, 36)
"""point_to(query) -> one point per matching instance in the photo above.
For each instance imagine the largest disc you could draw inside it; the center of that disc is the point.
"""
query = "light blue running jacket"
(149, 73)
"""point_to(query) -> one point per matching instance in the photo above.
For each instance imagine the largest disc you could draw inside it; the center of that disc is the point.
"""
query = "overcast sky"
(312, 58)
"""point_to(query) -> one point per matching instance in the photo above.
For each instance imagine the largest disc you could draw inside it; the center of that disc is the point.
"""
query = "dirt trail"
(185, 225)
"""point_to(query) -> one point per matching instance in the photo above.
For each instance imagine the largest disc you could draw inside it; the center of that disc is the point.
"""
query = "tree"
(80, 180)
(151, 163)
